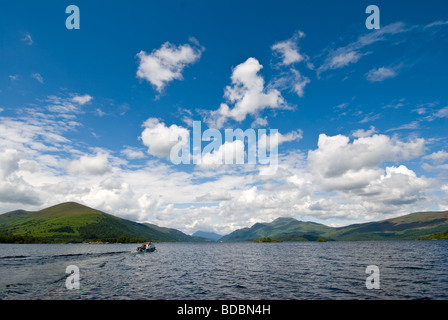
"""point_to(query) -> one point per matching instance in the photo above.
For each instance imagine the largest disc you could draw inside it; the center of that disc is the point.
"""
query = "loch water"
(226, 271)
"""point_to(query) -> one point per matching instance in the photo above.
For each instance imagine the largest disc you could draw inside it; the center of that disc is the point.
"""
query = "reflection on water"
(226, 271)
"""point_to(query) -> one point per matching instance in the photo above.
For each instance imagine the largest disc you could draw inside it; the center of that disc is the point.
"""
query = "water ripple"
(289, 270)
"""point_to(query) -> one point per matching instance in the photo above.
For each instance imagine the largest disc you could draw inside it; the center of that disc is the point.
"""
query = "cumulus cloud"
(17, 191)
(364, 133)
(160, 139)
(248, 95)
(133, 153)
(336, 155)
(398, 186)
(167, 63)
(362, 177)
(227, 153)
(438, 157)
(90, 165)
(82, 100)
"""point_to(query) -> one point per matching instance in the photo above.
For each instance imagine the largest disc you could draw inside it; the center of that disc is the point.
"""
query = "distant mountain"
(175, 235)
(287, 229)
(207, 235)
(408, 227)
(73, 222)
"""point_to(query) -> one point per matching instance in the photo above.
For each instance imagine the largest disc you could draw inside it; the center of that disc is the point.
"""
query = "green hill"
(436, 236)
(286, 229)
(175, 235)
(409, 227)
(73, 222)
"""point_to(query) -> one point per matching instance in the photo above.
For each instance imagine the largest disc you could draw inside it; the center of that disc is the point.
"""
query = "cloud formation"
(160, 139)
(90, 165)
(380, 74)
(38, 77)
(247, 94)
(289, 51)
(82, 100)
(167, 63)
(343, 56)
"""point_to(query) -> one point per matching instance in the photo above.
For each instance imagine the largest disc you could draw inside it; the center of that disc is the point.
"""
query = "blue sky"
(362, 114)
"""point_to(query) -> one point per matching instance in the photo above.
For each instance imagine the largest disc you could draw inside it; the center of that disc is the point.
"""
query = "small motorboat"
(146, 247)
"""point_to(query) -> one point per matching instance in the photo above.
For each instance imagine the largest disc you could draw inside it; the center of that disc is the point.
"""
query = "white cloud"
(27, 39)
(438, 157)
(380, 74)
(289, 50)
(397, 187)
(435, 24)
(82, 100)
(407, 126)
(166, 64)
(67, 107)
(160, 139)
(260, 122)
(90, 165)
(248, 95)
(133, 153)
(343, 59)
(442, 113)
(370, 117)
(300, 83)
(291, 80)
(9, 159)
(227, 153)
(265, 144)
(336, 155)
(432, 114)
(38, 77)
(16, 191)
(360, 133)
(289, 53)
(351, 53)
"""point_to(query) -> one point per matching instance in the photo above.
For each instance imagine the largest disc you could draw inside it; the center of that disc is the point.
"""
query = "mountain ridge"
(407, 227)
(208, 235)
(74, 222)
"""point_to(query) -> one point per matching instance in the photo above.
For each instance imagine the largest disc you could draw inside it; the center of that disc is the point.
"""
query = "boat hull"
(152, 249)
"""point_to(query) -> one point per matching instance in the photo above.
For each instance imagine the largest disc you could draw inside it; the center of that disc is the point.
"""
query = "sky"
(359, 115)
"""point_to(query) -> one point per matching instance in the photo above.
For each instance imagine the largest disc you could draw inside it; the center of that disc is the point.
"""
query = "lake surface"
(227, 271)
